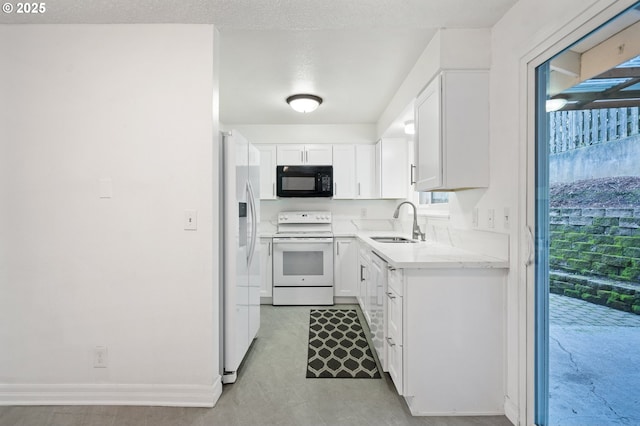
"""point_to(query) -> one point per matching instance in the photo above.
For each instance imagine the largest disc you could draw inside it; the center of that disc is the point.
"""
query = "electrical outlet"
(100, 357)
(506, 218)
(474, 217)
(491, 218)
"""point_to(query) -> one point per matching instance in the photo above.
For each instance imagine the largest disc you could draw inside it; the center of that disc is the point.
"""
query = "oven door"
(302, 262)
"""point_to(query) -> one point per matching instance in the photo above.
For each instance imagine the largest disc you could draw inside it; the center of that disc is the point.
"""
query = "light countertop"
(429, 254)
(455, 250)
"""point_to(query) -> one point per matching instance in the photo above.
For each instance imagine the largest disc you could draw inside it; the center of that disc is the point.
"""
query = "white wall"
(134, 104)
(307, 133)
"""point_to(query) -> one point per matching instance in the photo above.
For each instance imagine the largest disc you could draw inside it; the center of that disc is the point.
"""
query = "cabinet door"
(318, 155)
(428, 143)
(346, 267)
(266, 267)
(267, 172)
(366, 172)
(363, 266)
(394, 339)
(394, 168)
(344, 172)
(290, 155)
(377, 300)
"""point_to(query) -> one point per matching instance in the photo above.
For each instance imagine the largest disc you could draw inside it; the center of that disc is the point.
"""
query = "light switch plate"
(506, 218)
(190, 220)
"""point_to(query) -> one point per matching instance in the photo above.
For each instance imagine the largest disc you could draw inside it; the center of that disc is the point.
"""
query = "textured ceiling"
(275, 14)
(353, 53)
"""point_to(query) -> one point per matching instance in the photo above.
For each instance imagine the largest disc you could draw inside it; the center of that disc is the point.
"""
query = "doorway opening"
(588, 230)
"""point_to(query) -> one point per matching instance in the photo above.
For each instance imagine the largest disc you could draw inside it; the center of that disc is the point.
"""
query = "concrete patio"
(594, 356)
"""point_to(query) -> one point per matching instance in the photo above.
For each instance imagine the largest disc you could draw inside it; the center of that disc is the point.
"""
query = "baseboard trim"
(455, 413)
(345, 300)
(112, 394)
(511, 410)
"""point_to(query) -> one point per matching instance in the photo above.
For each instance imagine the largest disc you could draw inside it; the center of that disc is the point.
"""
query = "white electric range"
(303, 259)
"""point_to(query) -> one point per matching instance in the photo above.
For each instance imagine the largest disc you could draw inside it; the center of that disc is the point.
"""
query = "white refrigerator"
(241, 287)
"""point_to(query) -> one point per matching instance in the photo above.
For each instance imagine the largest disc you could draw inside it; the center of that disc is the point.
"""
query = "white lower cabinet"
(445, 339)
(266, 269)
(345, 260)
(393, 321)
(364, 266)
(394, 338)
(376, 293)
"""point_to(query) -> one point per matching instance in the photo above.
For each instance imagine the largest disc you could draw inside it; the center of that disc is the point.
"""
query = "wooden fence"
(576, 129)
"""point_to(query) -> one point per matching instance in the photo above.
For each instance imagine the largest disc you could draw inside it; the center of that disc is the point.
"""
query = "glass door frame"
(534, 363)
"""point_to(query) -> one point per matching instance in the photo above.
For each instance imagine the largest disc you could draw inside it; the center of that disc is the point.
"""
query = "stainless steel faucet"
(417, 233)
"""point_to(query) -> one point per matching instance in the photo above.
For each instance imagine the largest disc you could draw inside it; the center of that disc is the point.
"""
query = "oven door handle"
(296, 240)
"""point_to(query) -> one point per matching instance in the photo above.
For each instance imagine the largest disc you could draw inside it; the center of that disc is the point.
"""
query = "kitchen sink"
(393, 240)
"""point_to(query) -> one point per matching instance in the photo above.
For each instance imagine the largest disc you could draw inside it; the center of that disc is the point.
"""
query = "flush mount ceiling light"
(409, 127)
(304, 103)
(556, 103)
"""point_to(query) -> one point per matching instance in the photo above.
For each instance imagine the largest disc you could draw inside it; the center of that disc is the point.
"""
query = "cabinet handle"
(391, 268)
(338, 248)
(269, 251)
(273, 189)
(306, 156)
(390, 341)
(358, 188)
(412, 169)
(390, 296)
(335, 188)
(361, 272)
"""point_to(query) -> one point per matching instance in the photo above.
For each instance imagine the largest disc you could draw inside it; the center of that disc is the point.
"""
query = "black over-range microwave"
(304, 181)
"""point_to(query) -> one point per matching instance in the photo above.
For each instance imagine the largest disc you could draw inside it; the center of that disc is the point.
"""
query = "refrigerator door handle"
(254, 225)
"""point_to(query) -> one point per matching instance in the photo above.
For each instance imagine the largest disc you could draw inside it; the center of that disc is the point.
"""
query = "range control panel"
(304, 217)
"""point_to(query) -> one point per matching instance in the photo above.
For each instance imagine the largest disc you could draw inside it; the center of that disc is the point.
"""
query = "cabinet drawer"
(394, 362)
(394, 316)
(394, 339)
(395, 279)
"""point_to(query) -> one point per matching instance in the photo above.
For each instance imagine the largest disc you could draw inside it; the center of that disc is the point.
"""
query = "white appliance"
(241, 277)
(303, 259)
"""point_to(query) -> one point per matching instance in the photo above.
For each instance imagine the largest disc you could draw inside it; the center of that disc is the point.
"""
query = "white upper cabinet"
(267, 171)
(319, 155)
(356, 172)
(344, 172)
(298, 155)
(452, 132)
(393, 168)
(367, 186)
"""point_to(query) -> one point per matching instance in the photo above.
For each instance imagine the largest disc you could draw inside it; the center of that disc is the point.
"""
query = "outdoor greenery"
(595, 250)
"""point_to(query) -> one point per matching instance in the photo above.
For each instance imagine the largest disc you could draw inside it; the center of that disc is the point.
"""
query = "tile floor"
(271, 390)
